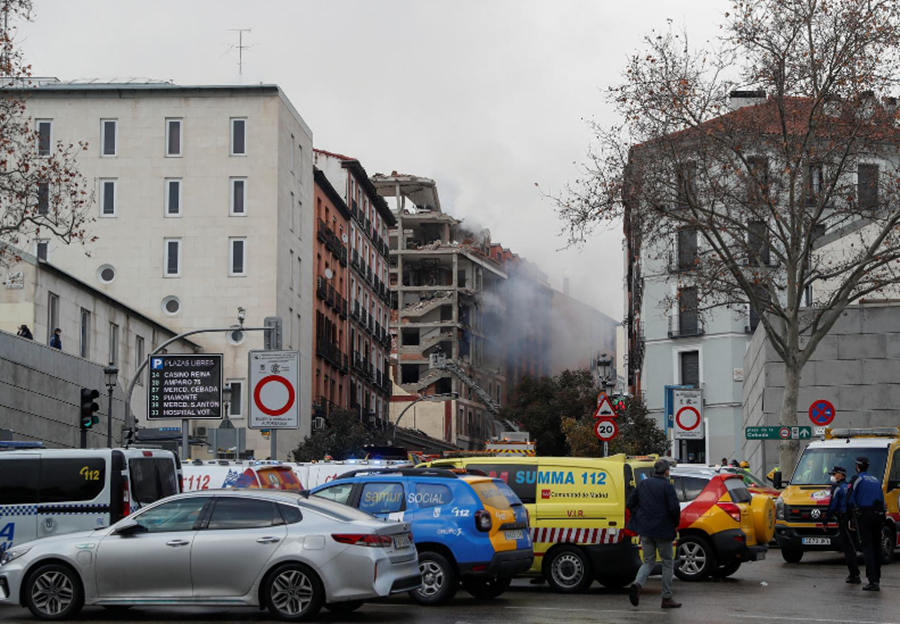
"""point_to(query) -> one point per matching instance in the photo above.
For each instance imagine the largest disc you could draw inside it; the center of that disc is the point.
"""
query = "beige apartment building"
(203, 205)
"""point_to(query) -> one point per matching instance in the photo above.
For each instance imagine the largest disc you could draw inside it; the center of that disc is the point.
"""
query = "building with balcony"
(204, 204)
(367, 296)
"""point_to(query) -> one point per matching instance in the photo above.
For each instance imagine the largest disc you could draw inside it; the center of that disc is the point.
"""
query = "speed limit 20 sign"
(606, 429)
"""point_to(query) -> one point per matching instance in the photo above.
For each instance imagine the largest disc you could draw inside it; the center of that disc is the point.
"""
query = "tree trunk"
(789, 448)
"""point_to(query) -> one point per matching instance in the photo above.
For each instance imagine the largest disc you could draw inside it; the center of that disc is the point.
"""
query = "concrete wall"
(856, 367)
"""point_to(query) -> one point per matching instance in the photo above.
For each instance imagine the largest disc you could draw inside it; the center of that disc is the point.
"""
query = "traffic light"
(618, 402)
(88, 407)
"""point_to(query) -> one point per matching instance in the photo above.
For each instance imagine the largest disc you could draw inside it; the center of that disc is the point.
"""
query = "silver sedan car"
(269, 548)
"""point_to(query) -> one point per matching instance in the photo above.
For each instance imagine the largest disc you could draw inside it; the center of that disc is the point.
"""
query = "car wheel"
(887, 544)
(694, 558)
(294, 592)
(348, 606)
(53, 592)
(726, 569)
(568, 570)
(439, 579)
(791, 555)
(485, 587)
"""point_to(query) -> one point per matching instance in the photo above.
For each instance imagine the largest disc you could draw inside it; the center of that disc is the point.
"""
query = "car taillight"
(483, 520)
(363, 539)
(626, 532)
(731, 509)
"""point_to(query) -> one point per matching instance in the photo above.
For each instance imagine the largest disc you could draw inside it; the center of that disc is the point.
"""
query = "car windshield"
(816, 464)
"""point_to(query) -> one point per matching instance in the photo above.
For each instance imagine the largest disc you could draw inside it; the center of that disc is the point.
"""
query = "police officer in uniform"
(867, 502)
(837, 509)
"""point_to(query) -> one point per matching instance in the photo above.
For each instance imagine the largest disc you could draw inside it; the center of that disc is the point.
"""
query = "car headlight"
(779, 509)
(13, 553)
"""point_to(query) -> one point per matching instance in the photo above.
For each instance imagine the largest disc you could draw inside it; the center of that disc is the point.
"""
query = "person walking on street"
(655, 515)
(56, 340)
(837, 509)
(867, 501)
(24, 332)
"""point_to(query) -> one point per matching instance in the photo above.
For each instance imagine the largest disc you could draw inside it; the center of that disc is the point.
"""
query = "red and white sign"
(604, 407)
(821, 412)
(274, 390)
(606, 429)
(688, 408)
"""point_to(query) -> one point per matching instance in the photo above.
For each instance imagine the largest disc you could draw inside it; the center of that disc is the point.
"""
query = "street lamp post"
(110, 372)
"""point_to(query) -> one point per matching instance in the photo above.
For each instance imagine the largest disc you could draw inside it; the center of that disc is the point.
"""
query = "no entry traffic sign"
(687, 423)
(822, 412)
(606, 429)
(274, 390)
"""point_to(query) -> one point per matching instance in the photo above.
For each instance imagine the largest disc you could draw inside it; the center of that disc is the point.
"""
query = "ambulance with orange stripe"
(577, 511)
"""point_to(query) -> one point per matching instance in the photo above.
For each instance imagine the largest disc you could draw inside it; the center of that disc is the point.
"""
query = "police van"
(46, 492)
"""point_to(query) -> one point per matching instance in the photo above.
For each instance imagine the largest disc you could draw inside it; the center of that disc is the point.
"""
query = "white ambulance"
(46, 492)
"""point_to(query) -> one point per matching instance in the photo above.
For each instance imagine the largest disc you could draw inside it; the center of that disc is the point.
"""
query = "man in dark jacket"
(867, 501)
(838, 509)
(655, 515)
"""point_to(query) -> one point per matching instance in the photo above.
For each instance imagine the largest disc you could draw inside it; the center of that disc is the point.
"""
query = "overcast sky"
(487, 97)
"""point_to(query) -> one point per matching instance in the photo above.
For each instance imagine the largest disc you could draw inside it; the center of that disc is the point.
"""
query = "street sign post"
(778, 432)
(688, 408)
(185, 387)
(274, 390)
(821, 412)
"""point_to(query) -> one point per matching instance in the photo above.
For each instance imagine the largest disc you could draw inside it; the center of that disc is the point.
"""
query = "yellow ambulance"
(802, 506)
(577, 512)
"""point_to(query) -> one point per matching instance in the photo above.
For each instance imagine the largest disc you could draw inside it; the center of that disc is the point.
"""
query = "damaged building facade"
(447, 301)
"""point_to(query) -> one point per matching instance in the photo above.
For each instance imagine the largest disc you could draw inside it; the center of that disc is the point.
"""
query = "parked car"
(469, 529)
(722, 523)
(270, 548)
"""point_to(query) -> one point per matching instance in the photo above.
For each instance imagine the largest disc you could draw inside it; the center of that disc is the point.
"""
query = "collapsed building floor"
(447, 302)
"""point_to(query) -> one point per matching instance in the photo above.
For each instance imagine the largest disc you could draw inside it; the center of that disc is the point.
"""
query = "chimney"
(739, 99)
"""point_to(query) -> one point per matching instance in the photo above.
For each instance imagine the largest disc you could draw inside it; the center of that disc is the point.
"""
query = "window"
(689, 362)
(107, 198)
(688, 321)
(381, 498)
(43, 198)
(238, 137)
(243, 513)
(44, 129)
(173, 137)
(337, 493)
(41, 249)
(893, 476)
(292, 211)
(687, 248)
(85, 334)
(434, 495)
(113, 343)
(758, 243)
(236, 256)
(52, 313)
(689, 488)
(108, 137)
(237, 398)
(238, 195)
(808, 295)
(520, 477)
(293, 156)
(686, 181)
(178, 515)
(290, 514)
(172, 257)
(758, 180)
(139, 356)
(867, 186)
(19, 480)
(173, 198)
(814, 184)
(62, 480)
(152, 478)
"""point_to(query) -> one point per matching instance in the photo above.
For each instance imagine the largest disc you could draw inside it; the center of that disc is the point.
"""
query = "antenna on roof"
(240, 47)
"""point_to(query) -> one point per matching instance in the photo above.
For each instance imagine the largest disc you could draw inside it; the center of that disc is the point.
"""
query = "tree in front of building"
(343, 437)
(42, 194)
(638, 434)
(788, 206)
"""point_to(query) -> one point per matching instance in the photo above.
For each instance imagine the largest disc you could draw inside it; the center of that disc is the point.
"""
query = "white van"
(47, 492)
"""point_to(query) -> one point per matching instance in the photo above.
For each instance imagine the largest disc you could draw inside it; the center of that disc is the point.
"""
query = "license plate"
(816, 541)
(514, 535)
(401, 541)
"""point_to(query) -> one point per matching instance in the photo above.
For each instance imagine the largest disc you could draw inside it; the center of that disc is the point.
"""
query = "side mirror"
(127, 528)
(893, 485)
(776, 480)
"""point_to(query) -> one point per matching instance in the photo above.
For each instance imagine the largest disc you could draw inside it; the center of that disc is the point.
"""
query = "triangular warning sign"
(604, 407)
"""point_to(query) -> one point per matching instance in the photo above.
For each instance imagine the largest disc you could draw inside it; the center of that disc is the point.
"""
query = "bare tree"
(42, 193)
(797, 191)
